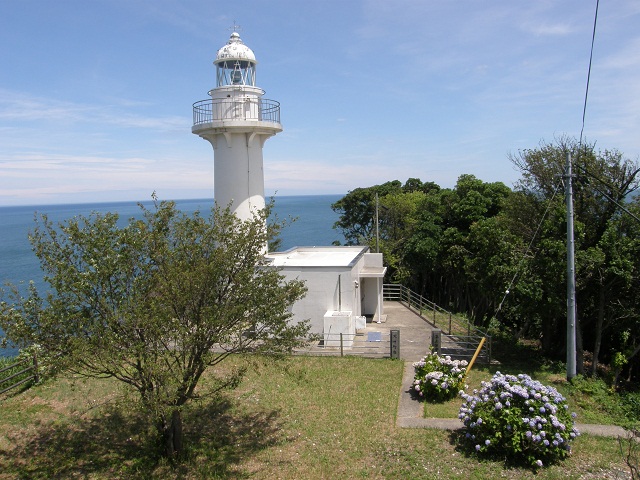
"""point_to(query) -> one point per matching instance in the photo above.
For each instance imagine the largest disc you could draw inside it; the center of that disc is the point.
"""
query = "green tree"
(439, 248)
(493, 260)
(358, 212)
(397, 218)
(614, 282)
(605, 179)
(423, 232)
(155, 303)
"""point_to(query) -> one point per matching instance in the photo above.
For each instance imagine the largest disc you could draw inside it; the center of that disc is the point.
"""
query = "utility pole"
(377, 225)
(571, 277)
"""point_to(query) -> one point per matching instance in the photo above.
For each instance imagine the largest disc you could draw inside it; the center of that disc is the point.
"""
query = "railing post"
(449, 323)
(436, 340)
(36, 374)
(341, 346)
(394, 340)
(489, 348)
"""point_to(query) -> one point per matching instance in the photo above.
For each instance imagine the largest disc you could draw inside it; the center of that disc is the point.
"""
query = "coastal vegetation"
(146, 303)
(498, 255)
(165, 342)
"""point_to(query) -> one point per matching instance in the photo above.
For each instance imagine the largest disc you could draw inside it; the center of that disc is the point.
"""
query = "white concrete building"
(344, 283)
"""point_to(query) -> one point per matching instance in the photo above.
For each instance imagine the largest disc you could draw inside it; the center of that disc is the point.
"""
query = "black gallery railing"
(218, 110)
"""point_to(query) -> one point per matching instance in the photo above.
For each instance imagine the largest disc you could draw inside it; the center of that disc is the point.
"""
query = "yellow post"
(475, 355)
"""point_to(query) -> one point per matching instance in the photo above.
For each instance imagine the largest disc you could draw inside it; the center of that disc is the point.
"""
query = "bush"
(519, 419)
(438, 378)
(631, 405)
(595, 395)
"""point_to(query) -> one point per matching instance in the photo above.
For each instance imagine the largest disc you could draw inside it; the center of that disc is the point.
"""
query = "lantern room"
(235, 64)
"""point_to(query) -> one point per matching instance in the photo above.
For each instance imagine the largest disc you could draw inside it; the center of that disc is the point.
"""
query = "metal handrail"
(420, 304)
(217, 110)
(33, 367)
(354, 344)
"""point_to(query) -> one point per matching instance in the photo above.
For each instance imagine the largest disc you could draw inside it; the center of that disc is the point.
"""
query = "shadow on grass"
(459, 442)
(516, 357)
(457, 438)
(117, 443)
(425, 399)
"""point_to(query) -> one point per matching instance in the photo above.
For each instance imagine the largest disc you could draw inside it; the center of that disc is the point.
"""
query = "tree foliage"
(155, 303)
(498, 254)
(604, 243)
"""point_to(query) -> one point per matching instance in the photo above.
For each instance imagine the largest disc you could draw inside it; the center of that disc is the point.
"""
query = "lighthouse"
(345, 283)
(237, 121)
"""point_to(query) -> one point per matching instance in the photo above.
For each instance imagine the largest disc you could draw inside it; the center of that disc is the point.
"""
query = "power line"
(535, 234)
(586, 93)
(571, 286)
(584, 114)
(604, 194)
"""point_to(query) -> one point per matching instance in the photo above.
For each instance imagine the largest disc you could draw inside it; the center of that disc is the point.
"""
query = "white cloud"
(549, 29)
(36, 177)
(19, 106)
(16, 106)
(626, 57)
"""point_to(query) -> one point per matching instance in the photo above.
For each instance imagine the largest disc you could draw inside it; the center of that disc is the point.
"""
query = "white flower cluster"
(438, 377)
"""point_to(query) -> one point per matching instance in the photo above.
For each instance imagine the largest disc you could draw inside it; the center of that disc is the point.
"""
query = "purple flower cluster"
(518, 416)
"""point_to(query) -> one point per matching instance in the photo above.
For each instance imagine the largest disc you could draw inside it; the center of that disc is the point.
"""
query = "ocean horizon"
(313, 226)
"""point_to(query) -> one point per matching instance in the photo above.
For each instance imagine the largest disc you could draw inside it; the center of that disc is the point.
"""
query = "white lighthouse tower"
(345, 283)
(236, 120)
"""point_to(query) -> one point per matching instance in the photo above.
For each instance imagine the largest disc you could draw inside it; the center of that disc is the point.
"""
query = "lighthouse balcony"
(236, 113)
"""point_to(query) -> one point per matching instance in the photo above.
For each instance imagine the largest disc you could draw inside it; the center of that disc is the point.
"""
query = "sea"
(312, 225)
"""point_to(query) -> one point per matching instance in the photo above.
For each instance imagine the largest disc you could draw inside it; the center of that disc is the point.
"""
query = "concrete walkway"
(415, 332)
(415, 339)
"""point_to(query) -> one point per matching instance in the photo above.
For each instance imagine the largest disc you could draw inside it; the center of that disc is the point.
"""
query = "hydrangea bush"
(518, 418)
(438, 378)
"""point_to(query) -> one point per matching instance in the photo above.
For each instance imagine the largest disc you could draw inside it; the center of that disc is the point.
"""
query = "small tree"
(155, 303)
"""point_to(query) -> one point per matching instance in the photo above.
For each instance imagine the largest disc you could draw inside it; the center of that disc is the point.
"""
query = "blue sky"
(96, 95)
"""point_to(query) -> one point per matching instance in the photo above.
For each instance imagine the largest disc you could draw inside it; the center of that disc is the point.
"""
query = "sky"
(96, 95)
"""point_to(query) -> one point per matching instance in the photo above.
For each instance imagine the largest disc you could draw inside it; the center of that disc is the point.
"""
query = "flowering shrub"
(518, 418)
(438, 378)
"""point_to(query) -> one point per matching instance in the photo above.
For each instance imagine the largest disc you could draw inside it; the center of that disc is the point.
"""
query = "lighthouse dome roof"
(235, 49)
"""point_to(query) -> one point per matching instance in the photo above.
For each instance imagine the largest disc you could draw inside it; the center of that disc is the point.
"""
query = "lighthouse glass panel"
(235, 72)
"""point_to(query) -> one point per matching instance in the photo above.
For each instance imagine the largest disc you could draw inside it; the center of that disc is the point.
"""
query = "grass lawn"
(305, 418)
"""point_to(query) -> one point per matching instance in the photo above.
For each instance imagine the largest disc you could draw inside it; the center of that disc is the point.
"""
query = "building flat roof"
(317, 256)
(373, 272)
